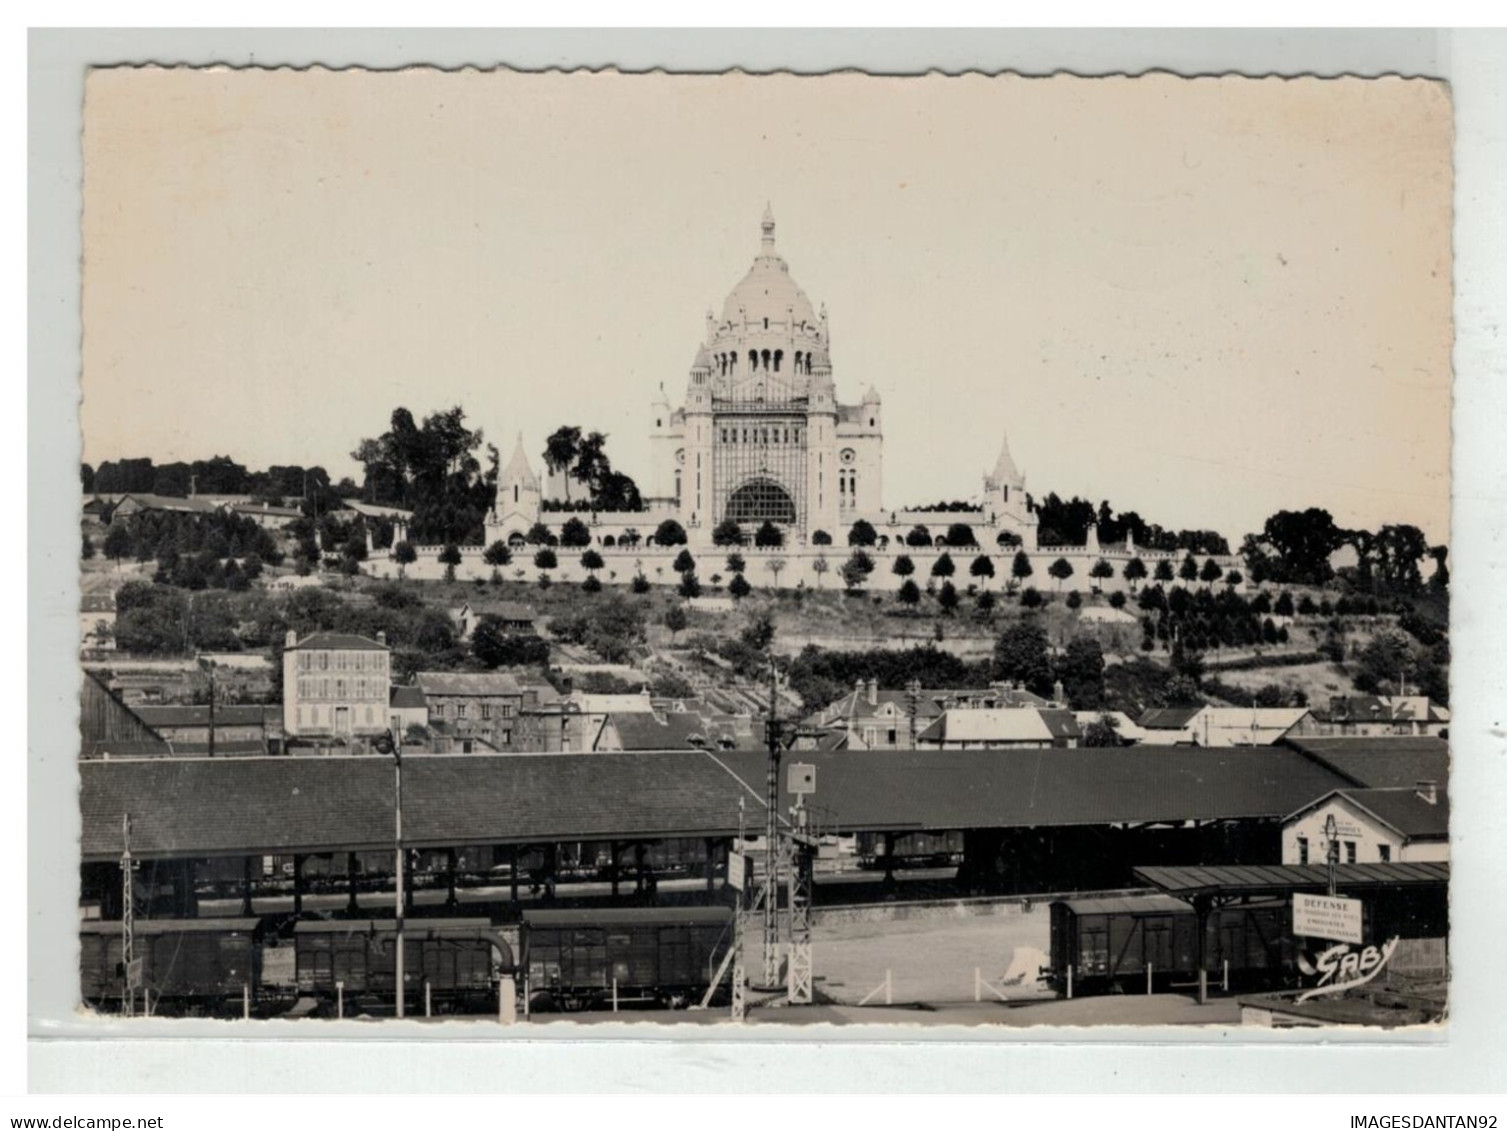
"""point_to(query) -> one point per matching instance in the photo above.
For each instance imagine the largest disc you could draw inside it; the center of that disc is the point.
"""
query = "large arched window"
(760, 500)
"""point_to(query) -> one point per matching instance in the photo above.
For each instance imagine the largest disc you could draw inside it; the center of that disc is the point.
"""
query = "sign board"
(133, 973)
(1326, 917)
(802, 778)
(737, 870)
(279, 966)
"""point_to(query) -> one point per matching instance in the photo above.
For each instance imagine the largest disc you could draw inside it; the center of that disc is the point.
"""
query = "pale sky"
(1205, 300)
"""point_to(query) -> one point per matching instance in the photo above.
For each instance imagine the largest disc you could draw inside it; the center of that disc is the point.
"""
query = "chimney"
(873, 693)
(382, 637)
(1058, 695)
(1428, 791)
(291, 640)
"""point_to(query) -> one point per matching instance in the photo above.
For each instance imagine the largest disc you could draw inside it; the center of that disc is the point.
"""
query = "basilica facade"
(761, 436)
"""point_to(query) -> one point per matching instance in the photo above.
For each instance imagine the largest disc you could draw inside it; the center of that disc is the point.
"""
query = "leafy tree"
(669, 533)
(545, 559)
(759, 633)
(575, 534)
(1212, 571)
(943, 566)
(561, 451)
(903, 566)
(862, 534)
(739, 587)
(1134, 572)
(494, 646)
(450, 558)
(918, 537)
(1294, 547)
(821, 538)
(774, 566)
(1030, 598)
(1385, 662)
(820, 566)
(982, 568)
(629, 538)
(118, 542)
(984, 603)
(771, 537)
(1081, 670)
(736, 564)
(1006, 538)
(1101, 733)
(947, 597)
(1181, 691)
(1117, 600)
(539, 535)
(1074, 599)
(910, 592)
(592, 561)
(1061, 569)
(728, 533)
(856, 570)
(640, 583)
(1020, 655)
(431, 469)
(405, 556)
(689, 586)
(1233, 578)
(1188, 571)
(1164, 571)
(960, 536)
(1020, 567)
(1284, 605)
(1101, 572)
(683, 563)
(497, 555)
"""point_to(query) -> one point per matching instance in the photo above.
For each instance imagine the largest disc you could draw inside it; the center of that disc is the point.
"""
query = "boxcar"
(202, 963)
(1111, 941)
(452, 956)
(654, 956)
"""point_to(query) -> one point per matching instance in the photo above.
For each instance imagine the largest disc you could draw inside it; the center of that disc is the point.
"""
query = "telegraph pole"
(392, 743)
(772, 837)
(127, 918)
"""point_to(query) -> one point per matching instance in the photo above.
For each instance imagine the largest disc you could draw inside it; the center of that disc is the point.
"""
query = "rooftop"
(340, 642)
(467, 683)
(1382, 761)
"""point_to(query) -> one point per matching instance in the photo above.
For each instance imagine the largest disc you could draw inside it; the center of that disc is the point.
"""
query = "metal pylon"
(799, 981)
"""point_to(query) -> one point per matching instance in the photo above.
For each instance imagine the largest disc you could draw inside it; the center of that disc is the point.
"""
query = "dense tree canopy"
(431, 469)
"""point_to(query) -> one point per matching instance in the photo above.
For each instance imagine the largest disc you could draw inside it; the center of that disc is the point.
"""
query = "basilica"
(761, 436)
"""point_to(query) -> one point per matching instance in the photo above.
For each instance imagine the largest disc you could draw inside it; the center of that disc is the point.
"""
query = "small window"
(486, 713)
(1384, 853)
(1350, 852)
(460, 710)
(1302, 850)
(892, 740)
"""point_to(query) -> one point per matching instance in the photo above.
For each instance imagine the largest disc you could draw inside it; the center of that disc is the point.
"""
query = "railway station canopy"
(1284, 879)
(201, 807)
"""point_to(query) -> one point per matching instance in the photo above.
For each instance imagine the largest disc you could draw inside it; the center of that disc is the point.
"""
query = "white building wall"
(1352, 826)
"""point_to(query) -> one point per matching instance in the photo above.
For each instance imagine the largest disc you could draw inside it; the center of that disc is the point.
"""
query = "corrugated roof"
(1380, 761)
(228, 806)
(1280, 879)
(1114, 905)
(1062, 723)
(467, 683)
(609, 916)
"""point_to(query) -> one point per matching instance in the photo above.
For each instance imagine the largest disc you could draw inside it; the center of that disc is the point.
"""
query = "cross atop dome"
(766, 225)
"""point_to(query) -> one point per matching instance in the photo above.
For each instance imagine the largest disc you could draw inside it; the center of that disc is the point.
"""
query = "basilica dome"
(768, 292)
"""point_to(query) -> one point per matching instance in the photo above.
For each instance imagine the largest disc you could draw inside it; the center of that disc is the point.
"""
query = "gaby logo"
(1343, 967)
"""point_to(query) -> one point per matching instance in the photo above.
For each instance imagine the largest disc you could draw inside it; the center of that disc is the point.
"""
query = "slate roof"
(1402, 809)
(168, 502)
(340, 641)
(197, 714)
(407, 696)
(975, 724)
(467, 683)
(231, 806)
(638, 730)
(1380, 761)
(1062, 723)
(1168, 718)
(512, 611)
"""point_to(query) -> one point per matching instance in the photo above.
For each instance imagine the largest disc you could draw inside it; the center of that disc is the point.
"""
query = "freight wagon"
(459, 960)
(654, 957)
(197, 965)
(1110, 942)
